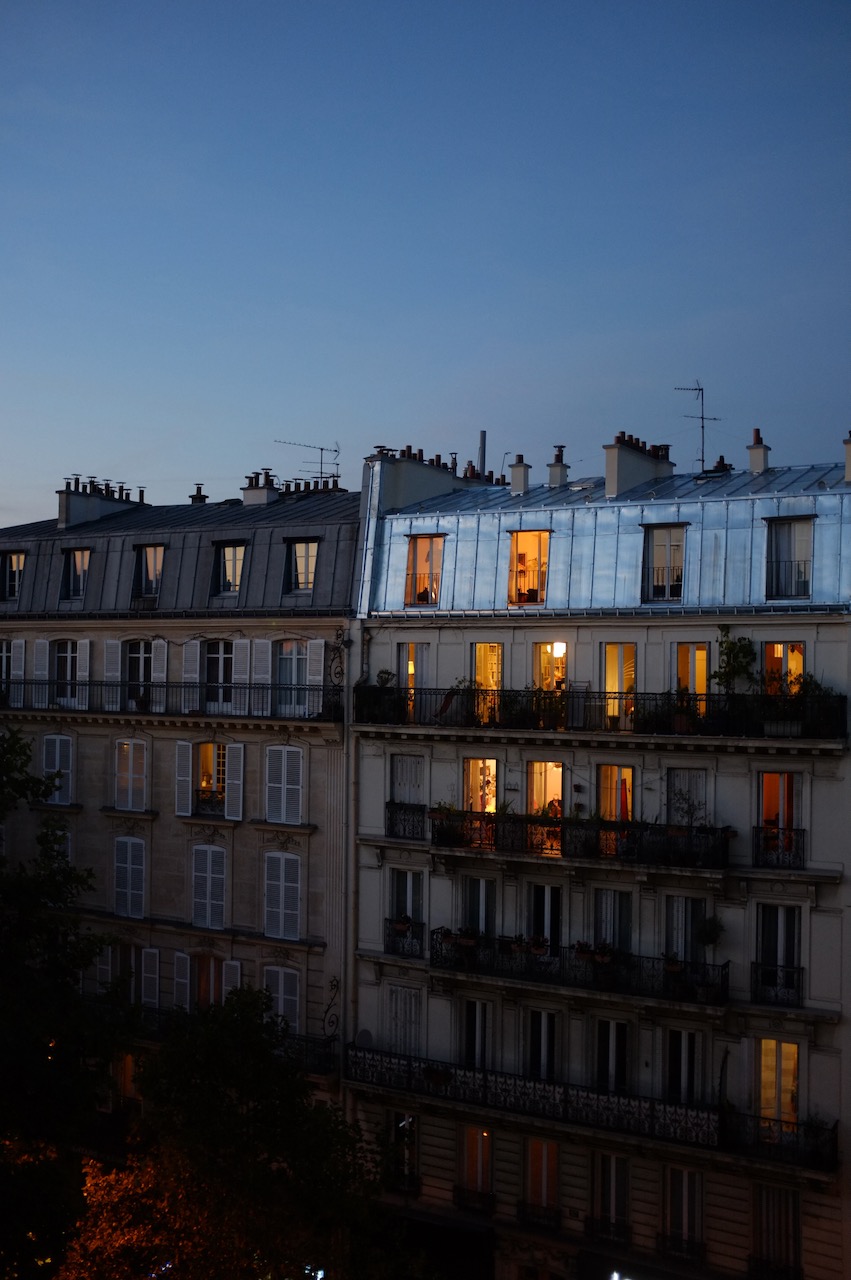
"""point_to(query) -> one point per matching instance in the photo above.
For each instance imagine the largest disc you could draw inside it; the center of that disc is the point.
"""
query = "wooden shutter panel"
(41, 673)
(231, 977)
(217, 888)
(191, 675)
(241, 676)
(182, 975)
(275, 784)
(151, 977)
(122, 877)
(137, 878)
(261, 693)
(273, 898)
(291, 896)
(315, 676)
(200, 884)
(293, 764)
(16, 673)
(183, 779)
(112, 694)
(272, 983)
(159, 674)
(233, 781)
(82, 698)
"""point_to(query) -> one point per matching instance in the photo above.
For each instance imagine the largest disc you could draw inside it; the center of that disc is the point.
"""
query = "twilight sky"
(396, 222)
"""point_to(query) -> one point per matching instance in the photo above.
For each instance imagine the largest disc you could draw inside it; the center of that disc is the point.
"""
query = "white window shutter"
(273, 897)
(183, 779)
(151, 977)
(241, 676)
(112, 693)
(191, 675)
(289, 999)
(315, 676)
(200, 884)
(138, 773)
(41, 673)
(217, 888)
(291, 895)
(16, 673)
(159, 674)
(181, 980)
(233, 780)
(294, 758)
(272, 982)
(261, 698)
(122, 877)
(231, 977)
(275, 784)
(82, 699)
(137, 879)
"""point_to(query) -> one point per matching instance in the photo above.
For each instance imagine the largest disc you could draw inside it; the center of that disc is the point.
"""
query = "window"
(218, 674)
(683, 918)
(778, 975)
(182, 981)
(663, 562)
(619, 680)
(549, 665)
(149, 571)
(477, 1159)
(782, 665)
(282, 896)
(130, 878)
(612, 1067)
(228, 572)
(611, 1192)
(284, 784)
(208, 886)
(149, 989)
(11, 574)
(613, 918)
(406, 894)
(404, 1015)
(406, 810)
(403, 1173)
(686, 797)
(487, 675)
(527, 569)
(130, 769)
(12, 654)
(74, 574)
(545, 791)
(790, 558)
(778, 1087)
(777, 1233)
(300, 677)
(61, 670)
(300, 569)
(541, 1044)
(780, 834)
(479, 904)
(208, 780)
(480, 786)
(58, 755)
(425, 558)
(683, 1211)
(282, 985)
(476, 1031)
(135, 675)
(544, 913)
(542, 1173)
(684, 1066)
(614, 792)
(225, 665)
(692, 665)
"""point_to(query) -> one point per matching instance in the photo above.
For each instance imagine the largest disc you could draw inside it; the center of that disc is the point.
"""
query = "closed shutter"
(82, 699)
(183, 779)
(293, 769)
(291, 894)
(275, 784)
(404, 1019)
(217, 888)
(282, 985)
(16, 673)
(182, 973)
(261, 693)
(129, 877)
(407, 779)
(57, 760)
(241, 676)
(273, 897)
(191, 675)
(159, 674)
(231, 977)
(151, 977)
(233, 781)
(112, 694)
(315, 676)
(200, 885)
(41, 674)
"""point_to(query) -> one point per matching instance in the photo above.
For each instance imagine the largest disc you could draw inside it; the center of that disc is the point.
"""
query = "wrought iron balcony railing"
(617, 1230)
(788, 579)
(406, 821)
(471, 1200)
(781, 847)
(264, 701)
(780, 984)
(809, 1145)
(652, 844)
(737, 715)
(539, 1215)
(625, 974)
(404, 938)
(678, 1246)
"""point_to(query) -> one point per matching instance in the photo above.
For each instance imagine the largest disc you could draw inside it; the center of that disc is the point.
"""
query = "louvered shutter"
(151, 977)
(159, 674)
(191, 675)
(233, 781)
(41, 674)
(181, 980)
(261, 693)
(293, 770)
(274, 898)
(112, 693)
(122, 877)
(82, 699)
(291, 893)
(231, 977)
(289, 999)
(183, 779)
(272, 982)
(16, 673)
(404, 1016)
(275, 784)
(315, 676)
(217, 888)
(241, 676)
(57, 759)
(200, 885)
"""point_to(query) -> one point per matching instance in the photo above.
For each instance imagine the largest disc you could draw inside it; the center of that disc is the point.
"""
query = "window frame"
(11, 575)
(130, 787)
(424, 549)
(518, 591)
(300, 561)
(658, 538)
(780, 528)
(282, 881)
(148, 579)
(129, 877)
(75, 572)
(283, 999)
(229, 567)
(63, 744)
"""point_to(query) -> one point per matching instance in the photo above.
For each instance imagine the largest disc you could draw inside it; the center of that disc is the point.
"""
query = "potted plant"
(539, 945)
(402, 925)
(672, 961)
(468, 936)
(583, 949)
(604, 953)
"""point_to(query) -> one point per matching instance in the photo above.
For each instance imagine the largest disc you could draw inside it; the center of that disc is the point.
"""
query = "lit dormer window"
(229, 568)
(300, 569)
(75, 572)
(425, 559)
(11, 573)
(527, 570)
(790, 559)
(663, 562)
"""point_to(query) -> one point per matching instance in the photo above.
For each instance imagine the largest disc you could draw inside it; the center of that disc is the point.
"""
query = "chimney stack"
(197, 498)
(557, 468)
(758, 453)
(631, 462)
(519, 475)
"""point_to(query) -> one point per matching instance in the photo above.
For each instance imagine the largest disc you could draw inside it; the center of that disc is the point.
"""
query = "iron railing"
(766, 1269)
(782, 847)
(780, 984)
(652, 844)
(678, 1246)
(539, 1215)
(809, 1145)
(738, 715)
(404, 938)
(405, 821)
(625, 974)
(264, 701)
(788, 579)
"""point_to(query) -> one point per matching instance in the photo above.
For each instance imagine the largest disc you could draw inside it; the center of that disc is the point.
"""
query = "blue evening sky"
(396, 222)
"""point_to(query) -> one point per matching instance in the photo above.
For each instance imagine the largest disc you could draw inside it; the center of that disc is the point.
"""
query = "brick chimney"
(631, 462)
(758, 453)
(557, 468)
(259, 490)
(519, 475)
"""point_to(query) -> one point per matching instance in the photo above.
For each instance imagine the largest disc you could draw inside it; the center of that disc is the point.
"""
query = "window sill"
(112, 812)
(47, 806)
(303, 828)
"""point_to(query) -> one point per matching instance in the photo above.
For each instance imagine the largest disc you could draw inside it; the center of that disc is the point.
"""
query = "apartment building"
(598, 982)
(182, 670)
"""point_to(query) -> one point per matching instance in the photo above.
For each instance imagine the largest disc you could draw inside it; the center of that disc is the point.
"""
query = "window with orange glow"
(425, 561)
(527, 569)
(477, 1159)
(542, 1173)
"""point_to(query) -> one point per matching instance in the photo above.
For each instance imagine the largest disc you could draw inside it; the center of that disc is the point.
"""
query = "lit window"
(229, 569)
(778, 1087)
(790, 559)
(663, 563)
(149, 570)
(477, 1159)
(480, 785)
(783, 666)
(527, 570)
(130, 758)
(75, 573)
(425, 559)
(549, 665)
(208, 779)
(11, 573)
(300, 566)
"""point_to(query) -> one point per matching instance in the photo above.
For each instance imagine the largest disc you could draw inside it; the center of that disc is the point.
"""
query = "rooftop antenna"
(698, 391)
(334, 471)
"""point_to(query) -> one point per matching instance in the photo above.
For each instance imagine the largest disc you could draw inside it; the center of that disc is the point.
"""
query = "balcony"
(405, 821)
(616, 972)
(678, 1246)
(404, 938)
(788, 579)
(471, 1200)
(779, 984)
(808, 1145)
(781, 847)
(726, 715)
(255, 701)
(650, 844)
(543, 1216)
(616, 1230)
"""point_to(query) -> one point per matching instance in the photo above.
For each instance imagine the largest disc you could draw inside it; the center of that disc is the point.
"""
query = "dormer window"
(11, 573)
(663, 562)
(149, 571)
(527, 570)
(790, 560)
(300, 569)
(425, 559)
(229, 562)
(75, 572)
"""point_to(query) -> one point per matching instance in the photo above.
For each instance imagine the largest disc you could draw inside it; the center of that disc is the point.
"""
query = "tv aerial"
(698, 391)
(333, 473)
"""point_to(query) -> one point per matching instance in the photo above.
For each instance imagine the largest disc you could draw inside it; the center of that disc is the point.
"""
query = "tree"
(240, 1170)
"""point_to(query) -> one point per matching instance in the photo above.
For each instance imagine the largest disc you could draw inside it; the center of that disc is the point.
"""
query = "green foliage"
(736, 660)
(17, 784)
